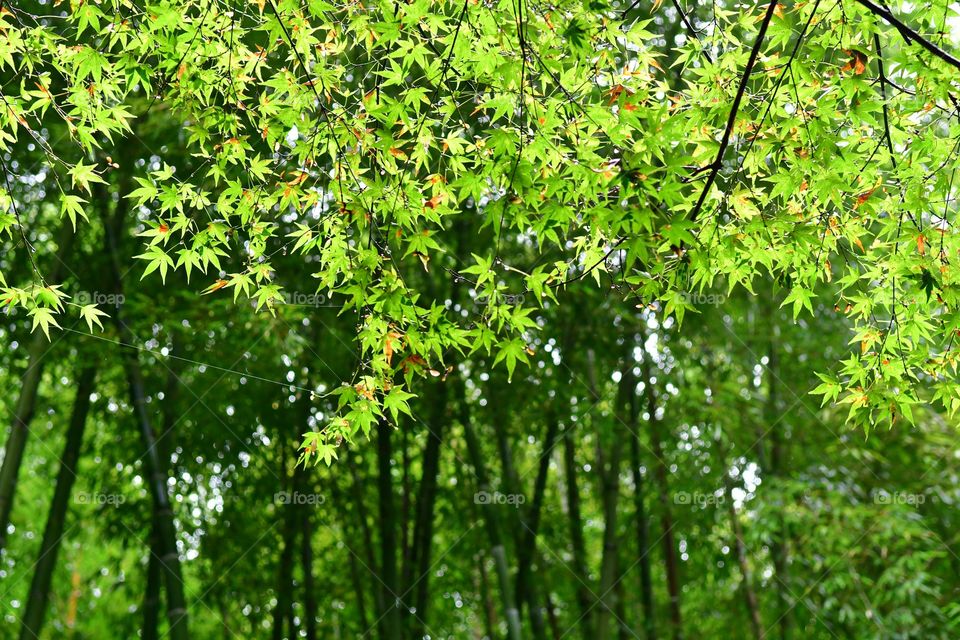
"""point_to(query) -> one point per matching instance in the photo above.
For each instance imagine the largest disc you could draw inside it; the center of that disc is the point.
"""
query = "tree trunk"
(609, 562)
(610, 482)
(575, 521)
(356, 577)
(169, 417)
(624, 632)
(552, 619)
(157, 476)
(26, 404)
(749, 595)
(53, 533)
(489, 610)
(406, 505)
(169, 560)
(358, 589)
(511, 484)
(151, 596)
(283, 612)
(491, 519)
(779, 545)
(359, 502)
(390, 614)
(426, 501)
(530, 520)
(746, 586)
(306, 565)
(663, 491)
(643, 541)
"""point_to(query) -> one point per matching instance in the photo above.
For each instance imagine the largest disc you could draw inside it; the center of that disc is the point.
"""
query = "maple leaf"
(216, 286)
(857, 62)
(388, 345)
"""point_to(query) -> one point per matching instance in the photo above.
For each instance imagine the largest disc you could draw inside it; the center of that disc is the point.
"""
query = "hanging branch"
(909, 35)
(731, 119)
(690, 28)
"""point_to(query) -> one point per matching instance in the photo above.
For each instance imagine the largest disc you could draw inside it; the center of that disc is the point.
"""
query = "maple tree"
(362, 136)
(439, 192)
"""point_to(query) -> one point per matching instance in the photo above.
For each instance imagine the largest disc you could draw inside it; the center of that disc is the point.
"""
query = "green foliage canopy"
(813, 142)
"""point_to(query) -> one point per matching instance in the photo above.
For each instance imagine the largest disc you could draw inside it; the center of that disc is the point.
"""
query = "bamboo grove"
(412, 319)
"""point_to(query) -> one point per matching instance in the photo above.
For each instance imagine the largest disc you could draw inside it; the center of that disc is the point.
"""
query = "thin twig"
(691, 29)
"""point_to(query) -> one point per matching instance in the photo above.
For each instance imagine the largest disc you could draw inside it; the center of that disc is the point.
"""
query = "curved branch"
(731, 119)
(909, 33)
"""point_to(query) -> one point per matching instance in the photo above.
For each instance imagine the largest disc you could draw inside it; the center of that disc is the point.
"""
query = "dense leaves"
(362, 136)
(502, 241)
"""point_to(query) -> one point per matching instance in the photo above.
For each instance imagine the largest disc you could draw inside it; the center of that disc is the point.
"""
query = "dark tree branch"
(883, 96)
(690, 27)
(909, 33)
(731, 119)
(683, 18)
